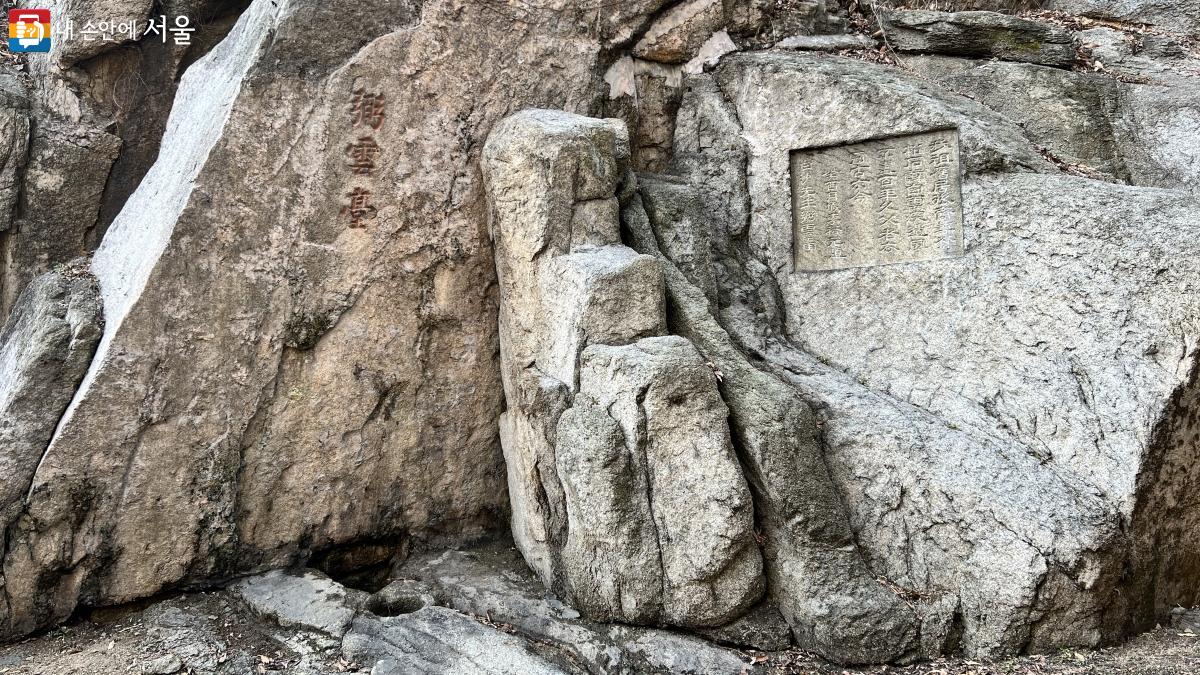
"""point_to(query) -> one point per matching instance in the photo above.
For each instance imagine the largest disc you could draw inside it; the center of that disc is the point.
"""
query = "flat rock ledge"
(979, 34)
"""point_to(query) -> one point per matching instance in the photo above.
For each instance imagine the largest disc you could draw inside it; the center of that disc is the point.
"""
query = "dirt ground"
(197, 633)
(215, 633)
(1164, 651)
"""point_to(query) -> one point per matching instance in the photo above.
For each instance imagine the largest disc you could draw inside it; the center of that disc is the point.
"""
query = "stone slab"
(878, 202)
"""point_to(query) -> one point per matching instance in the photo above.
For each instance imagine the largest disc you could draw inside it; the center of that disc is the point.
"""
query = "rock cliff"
(881, 322)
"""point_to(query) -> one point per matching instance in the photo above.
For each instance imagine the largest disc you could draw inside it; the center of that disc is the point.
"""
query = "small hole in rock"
(364, 566)
(395, 606)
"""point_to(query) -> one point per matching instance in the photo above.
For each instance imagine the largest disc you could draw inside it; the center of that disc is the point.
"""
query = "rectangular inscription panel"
(876, 203)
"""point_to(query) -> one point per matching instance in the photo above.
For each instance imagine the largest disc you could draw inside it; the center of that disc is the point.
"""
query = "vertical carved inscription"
(879, 202)
(368, 111)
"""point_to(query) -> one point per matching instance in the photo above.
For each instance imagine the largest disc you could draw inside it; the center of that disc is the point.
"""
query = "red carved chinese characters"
(360, 209)
(368, 110)
(362, 155)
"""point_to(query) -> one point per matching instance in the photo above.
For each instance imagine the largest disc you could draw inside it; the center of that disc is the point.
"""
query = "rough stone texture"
(608, 449)
(663, 397)
(437, 640)
(755, 24)
(1139, 55)
(1006, 6)
(676, 35)
(684, 235)
(479, 610)
(826, 43)
(645, 95)
(879, 202)
(1003, 465)
(272, 382)
(308, 600)
(130, 91)
(1180, 16)
(1155, 132)
(79, 13)
(14, 142)
(762, 628)
(1071, 114)
(386, 636)
(494, 582)
(64, 178)
(211, 633)
(1068, 421)
(163, 665)
(815, 574)
(97, 124)
(782, 101)
(984, 34)
(401, 597)
(45, 349)
(1136, 132)
(288, 376)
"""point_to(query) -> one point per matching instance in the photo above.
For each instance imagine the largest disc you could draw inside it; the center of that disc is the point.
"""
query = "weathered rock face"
(14, 149)
(1071, 114)
(14, 142)
(336, 378)
(79, 12)
(988, 453)
(1177, 16)
(986, 34)
(815, 573)
(1136, 55)
(1134, 131)
(45, 349)
(676, 36)
(1180, 16)
(857, 363)
(98, 103)
(626, 494)
(494, 582)
(65, 173)
(624, 489)
(663, 397)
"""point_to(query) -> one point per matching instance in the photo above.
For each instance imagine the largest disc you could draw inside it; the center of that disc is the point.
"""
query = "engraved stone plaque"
(878, 202)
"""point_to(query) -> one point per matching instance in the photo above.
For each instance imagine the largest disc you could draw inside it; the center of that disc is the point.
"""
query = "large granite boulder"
(299, 349)
(816, 574)
(968, 428)
(1005, 420)
(627, 497)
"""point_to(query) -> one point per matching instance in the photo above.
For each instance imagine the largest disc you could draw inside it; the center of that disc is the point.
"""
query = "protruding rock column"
(627, 496)
(816, 574)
